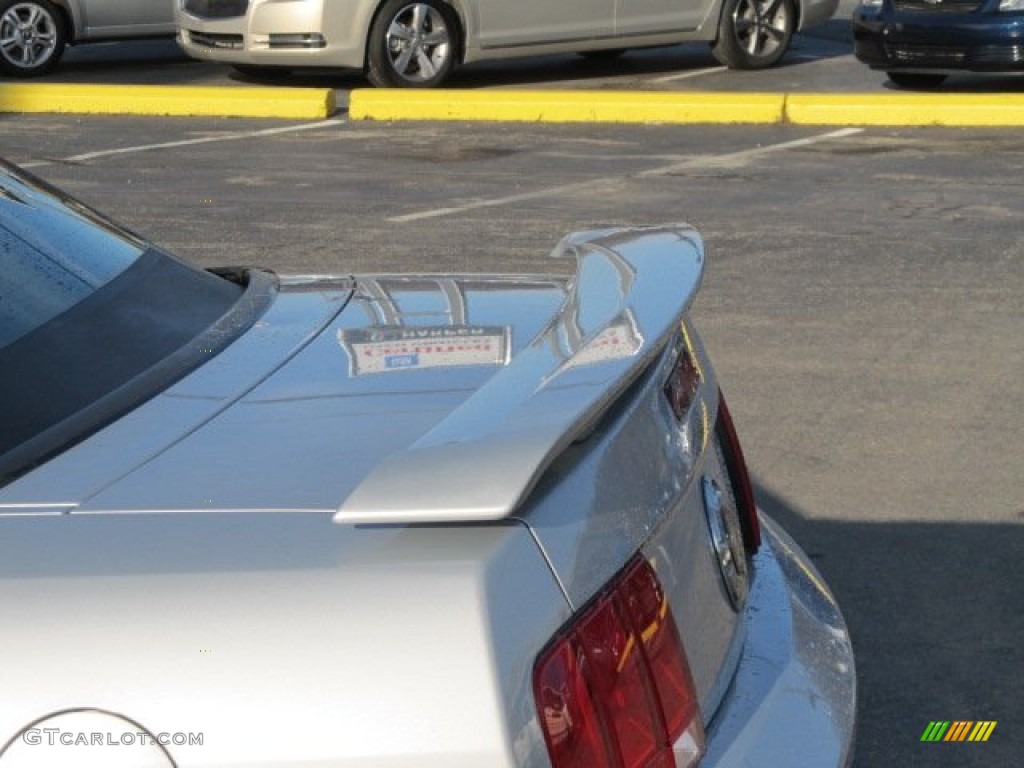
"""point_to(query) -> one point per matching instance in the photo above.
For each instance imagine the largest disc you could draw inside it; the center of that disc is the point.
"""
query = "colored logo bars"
(960, 730)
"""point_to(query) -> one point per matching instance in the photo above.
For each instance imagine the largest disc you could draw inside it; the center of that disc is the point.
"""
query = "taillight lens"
(743, 490)
(614, 690)
(682, 384)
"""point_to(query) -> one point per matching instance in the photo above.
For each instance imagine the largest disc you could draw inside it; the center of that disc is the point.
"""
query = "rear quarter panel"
(632, 485)
(285, 639)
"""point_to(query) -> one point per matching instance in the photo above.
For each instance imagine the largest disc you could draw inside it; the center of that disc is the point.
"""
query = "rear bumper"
(792, 701)
(983, 42)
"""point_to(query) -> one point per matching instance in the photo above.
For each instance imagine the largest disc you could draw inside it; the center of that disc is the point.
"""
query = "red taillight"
(736, 465)
(682, 384)
(614, 690)
(664, 650)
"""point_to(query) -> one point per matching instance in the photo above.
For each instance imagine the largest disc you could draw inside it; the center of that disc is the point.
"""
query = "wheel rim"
(28, 35)
(762, 26)
(418, 42)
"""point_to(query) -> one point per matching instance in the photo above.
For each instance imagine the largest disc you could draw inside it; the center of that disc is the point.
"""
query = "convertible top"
(627, 298)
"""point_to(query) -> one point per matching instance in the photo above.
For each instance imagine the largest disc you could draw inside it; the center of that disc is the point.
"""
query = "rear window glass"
(94, 320)
(53, 255)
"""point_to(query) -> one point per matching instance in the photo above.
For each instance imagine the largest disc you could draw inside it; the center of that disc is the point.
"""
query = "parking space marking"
(688, 75)
(234, 136)
(707, 161)
(734, 158)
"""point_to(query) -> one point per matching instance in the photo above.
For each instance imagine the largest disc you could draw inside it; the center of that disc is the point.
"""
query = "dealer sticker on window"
(390, 349)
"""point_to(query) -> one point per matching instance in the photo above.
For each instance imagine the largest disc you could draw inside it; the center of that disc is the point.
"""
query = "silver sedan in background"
(34, 33)
(418, 42)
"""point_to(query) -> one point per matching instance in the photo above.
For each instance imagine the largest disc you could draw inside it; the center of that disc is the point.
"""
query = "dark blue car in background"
(919, 43)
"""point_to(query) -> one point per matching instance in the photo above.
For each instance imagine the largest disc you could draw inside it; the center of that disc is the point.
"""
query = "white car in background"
(417, 43)
(34, 33)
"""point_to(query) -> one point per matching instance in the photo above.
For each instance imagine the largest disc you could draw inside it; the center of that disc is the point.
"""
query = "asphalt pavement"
(862, 305)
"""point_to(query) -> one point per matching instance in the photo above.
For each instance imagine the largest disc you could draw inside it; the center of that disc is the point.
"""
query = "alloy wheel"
(762, 26)
(418, 43)
(28, 36)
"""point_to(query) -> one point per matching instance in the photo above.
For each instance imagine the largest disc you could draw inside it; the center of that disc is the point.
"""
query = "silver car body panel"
(500, 23)
(815, 12)
(491, 28)
(67, 482)
(283, 639)
(113, 19)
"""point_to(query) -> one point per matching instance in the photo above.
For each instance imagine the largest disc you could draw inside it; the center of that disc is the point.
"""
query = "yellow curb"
(183, 100)
(905, 109)
(566, 106)
(847, 109)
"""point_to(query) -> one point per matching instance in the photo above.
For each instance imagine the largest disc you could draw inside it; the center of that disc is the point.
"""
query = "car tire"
(32, 37)
(412, 44)
(259, 72)
(916, 80)
(754, 34)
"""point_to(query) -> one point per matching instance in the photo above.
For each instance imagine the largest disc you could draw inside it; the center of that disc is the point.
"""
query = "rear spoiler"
(626, 300)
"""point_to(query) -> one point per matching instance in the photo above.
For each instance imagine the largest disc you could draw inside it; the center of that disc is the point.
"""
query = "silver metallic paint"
(111, 19)
(284, 639)
(69, 480)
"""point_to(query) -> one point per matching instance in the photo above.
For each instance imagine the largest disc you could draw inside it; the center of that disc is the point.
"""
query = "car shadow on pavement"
(641, 67)
(525, 72)
(936, 613)
(633, 69)
(838, 29)
(141, 62)
(575, 68)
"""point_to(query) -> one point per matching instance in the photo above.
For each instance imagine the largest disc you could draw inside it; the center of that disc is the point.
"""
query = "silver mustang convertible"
(386, 521)
(417, 43)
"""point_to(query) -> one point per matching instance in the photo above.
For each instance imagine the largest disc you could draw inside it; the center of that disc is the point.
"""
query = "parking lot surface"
(862, 304)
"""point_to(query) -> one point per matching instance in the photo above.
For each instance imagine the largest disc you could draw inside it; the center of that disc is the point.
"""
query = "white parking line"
(736, 158)
(235, 136)
(688, 75)
(707, 161)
